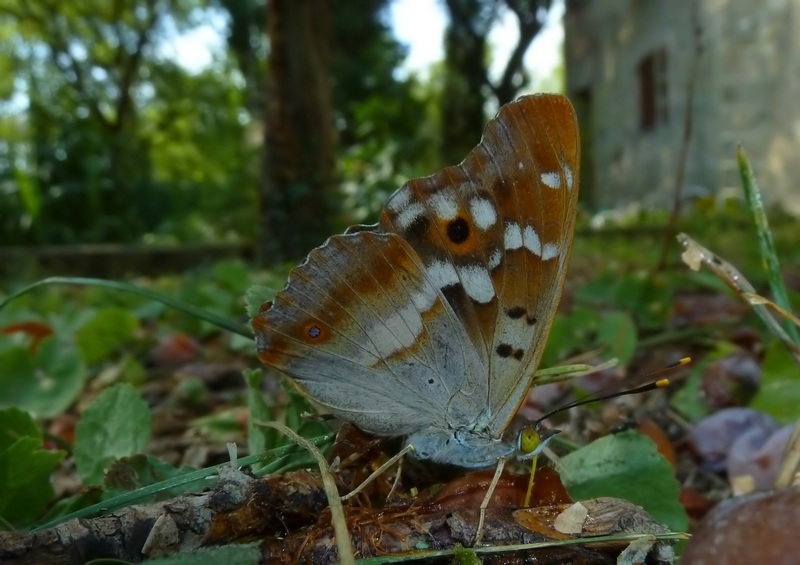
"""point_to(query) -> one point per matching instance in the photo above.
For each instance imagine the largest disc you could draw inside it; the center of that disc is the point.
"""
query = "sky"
(417, 23)
(420, 25)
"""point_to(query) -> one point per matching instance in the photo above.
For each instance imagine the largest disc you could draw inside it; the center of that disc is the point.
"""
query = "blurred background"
(200, 148)
(250, 128)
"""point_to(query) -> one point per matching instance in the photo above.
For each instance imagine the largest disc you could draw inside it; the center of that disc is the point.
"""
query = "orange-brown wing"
(364, 333)
(494, 235)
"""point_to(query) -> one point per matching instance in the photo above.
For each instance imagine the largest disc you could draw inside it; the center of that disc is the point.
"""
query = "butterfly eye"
(531, 441)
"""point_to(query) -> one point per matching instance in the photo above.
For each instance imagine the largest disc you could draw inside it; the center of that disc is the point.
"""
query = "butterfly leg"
(501, 463)
(379, 471)
(396, 480)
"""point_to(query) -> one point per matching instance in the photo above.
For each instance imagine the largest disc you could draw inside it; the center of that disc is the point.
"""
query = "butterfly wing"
(435, 319)
(364, 333)
(494, 235)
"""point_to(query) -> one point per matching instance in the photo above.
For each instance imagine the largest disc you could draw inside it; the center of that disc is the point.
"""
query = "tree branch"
(530, 22)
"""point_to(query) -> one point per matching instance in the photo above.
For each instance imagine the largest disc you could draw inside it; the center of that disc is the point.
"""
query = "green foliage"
(25, 468)
(259, 438)
(105, 332)
(587, 328)
(44, 382)
(249, 554)
(644, 295)
(117, 142)
(262, 438)
(255, 297)
(779, 393)
(688, 399)
(133, 472)
(117, 424)
(626, 465)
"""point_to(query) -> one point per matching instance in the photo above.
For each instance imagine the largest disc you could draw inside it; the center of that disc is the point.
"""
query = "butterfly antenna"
(661, 383)
(531, 440)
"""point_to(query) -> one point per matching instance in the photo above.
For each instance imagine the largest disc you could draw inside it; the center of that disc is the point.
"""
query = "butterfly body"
(431, 323)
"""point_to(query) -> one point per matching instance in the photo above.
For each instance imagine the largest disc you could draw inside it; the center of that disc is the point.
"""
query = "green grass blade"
(275, 460)
(219, 321)
(768, 253)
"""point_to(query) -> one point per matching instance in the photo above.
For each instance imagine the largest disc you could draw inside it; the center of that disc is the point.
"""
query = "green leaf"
(117, 424)
(779, 394)
(212, 318)
(626, 465)
(769, 255)
(233, 275)
(25, 470)
(255, 297)
(244, 554)
(566, 331)
(646, 296)
(60, 373)
(29, 193)
(44, 384)
(74, 503)
(16, 424)
(17, 382)
(688, 400)
(296, 408)
(259, 438)
(137, 471)
(618, 331)
(105, 332)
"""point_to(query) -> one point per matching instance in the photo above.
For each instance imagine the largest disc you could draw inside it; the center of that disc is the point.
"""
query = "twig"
(671, 229)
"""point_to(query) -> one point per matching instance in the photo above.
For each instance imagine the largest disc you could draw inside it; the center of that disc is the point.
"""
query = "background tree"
(296, 195)
(109, 137)
(332, 82)
(116, 141)
(467, 84)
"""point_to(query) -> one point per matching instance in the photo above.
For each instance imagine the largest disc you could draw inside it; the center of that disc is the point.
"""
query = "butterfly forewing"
(494, 234)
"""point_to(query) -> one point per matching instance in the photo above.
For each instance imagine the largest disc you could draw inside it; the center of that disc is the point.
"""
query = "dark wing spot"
(515, 312)
(456, 297)
(716, 260)
(418, 228)
(314, 332)
(458, 230)
(531, 320)
(518, 354)
(430, 381)
(504, 350)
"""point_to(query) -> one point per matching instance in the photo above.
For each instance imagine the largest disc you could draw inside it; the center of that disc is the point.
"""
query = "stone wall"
(746, 89)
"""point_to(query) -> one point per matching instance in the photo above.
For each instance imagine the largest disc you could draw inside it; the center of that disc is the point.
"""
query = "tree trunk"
(297, 187)
(465, 79)
(466, 83)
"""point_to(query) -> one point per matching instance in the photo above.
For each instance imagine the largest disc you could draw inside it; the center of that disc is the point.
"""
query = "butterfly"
(431, 323)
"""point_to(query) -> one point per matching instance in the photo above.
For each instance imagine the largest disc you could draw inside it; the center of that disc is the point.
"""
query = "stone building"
(629, 67)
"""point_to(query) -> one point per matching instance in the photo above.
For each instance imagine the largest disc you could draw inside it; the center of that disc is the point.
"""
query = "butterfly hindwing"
(359, 329)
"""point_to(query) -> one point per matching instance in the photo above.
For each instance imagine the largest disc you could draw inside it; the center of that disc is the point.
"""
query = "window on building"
(653, 90)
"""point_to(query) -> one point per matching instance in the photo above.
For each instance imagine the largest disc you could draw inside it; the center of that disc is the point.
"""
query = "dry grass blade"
(343, 540)
(695, 256)
(789, 473)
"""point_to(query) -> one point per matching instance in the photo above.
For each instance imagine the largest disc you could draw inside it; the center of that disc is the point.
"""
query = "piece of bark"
(288, 515)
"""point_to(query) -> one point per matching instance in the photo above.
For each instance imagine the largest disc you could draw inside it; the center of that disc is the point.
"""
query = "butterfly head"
(532, 440)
